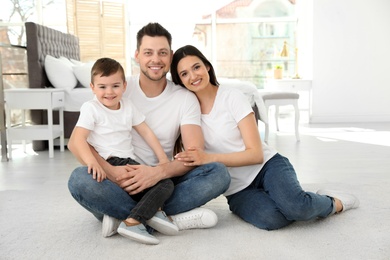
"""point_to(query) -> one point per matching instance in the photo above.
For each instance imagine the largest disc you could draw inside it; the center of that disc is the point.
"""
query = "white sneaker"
(109, 226)
(196, 218)
(349, 201)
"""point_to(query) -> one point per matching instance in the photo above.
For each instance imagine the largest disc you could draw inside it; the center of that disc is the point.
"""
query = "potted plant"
(278, 72)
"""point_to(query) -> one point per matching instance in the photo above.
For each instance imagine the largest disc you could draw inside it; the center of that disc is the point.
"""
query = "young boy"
(105, 123)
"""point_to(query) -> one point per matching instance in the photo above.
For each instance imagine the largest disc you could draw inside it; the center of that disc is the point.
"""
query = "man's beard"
(154, 79)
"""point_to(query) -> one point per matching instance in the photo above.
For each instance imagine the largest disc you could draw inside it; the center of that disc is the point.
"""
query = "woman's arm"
(252, 154)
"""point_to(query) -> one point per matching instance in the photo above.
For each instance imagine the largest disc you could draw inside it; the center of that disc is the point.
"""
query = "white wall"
(351, 61)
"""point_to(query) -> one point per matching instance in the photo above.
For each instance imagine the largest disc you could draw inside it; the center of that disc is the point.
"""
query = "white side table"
(29, 99)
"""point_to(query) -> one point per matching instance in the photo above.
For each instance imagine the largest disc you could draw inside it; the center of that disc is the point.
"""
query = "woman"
(264, 189)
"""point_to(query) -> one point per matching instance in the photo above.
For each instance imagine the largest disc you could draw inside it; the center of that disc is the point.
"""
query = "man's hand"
(113, 172)
(138, 178)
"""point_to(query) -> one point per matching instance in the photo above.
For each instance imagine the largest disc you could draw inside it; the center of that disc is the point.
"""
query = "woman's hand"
(194, 156)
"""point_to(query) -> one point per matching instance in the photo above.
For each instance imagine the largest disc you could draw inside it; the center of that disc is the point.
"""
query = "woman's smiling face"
(193, 73)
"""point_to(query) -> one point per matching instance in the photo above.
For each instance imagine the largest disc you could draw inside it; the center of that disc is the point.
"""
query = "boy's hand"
(97, 172)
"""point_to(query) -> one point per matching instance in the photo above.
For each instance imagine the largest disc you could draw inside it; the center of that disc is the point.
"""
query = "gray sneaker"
(109, 226)
(137, 233)
(195, 218)
(349, 201)
(163, 224)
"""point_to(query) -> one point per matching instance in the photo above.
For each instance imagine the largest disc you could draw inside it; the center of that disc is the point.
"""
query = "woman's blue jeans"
(194, 189)
(275, 198)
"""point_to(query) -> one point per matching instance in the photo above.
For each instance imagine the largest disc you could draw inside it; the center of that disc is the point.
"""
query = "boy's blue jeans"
(275, 198)
(192, 190)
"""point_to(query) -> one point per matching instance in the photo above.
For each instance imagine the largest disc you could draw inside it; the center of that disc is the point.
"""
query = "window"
(100, 26)
(249, 38)
(12, 34)
(243, 39)
(13, 39)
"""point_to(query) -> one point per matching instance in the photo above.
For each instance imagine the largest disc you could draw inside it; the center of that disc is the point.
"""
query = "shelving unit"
(30, 99)
(14, 72)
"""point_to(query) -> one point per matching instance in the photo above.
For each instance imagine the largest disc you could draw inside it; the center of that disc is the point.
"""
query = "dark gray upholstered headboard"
(42, 41)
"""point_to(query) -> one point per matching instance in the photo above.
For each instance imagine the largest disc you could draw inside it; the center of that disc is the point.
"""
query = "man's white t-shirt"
(222, 135)
(110, 129)
(174, 107)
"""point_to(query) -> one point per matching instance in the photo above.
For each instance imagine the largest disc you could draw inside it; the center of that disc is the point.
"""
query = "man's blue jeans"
(192, 190)
(275, 198)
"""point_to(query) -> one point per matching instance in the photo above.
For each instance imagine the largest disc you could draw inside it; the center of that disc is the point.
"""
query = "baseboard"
(349, 118)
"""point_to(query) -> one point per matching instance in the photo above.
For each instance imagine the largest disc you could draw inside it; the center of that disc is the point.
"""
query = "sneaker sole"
(107, 230)
(138, 237)
(163, 227)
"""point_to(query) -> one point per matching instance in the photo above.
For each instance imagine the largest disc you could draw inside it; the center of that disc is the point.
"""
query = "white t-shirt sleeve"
(239, 105)
(87, 116)
(138, 117)
(191, 110)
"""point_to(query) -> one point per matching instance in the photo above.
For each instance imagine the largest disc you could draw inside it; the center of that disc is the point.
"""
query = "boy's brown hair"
(106, 67)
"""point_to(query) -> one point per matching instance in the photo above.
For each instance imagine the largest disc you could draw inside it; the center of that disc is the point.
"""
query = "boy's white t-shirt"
(174, 107)
(222, 135)
(110, 129)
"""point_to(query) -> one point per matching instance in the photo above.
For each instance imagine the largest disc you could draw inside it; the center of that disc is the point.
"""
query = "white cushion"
(76, 62)
(60, 73)
(65, 60)
(83, 73)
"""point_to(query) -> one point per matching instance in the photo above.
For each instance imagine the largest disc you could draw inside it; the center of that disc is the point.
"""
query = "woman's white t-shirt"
(222, 135)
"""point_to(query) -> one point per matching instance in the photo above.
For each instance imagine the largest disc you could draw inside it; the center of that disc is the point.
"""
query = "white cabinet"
(301, 86)
(29, 99)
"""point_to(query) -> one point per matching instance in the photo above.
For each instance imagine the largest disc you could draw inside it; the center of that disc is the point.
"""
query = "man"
(171, 111)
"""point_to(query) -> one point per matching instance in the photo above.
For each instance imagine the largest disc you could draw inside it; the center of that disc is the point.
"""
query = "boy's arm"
(112, 172)
(151, 139)
(80, 148)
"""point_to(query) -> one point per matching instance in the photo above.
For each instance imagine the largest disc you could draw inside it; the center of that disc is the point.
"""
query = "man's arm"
(191, 136)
